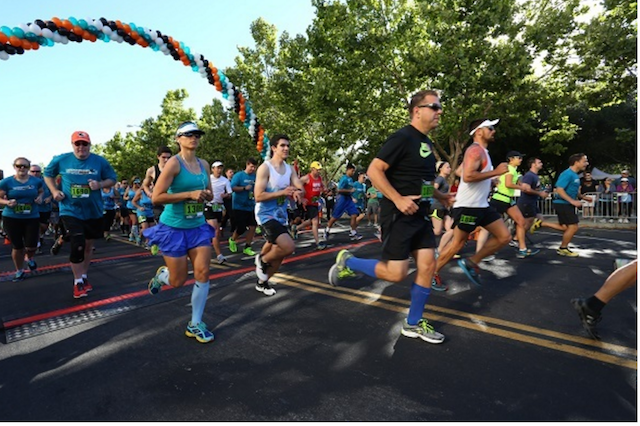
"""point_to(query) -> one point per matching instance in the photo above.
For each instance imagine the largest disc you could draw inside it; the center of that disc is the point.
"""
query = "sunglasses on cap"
(433, 106)
(22, 166)
(81, 143)
(191, 134)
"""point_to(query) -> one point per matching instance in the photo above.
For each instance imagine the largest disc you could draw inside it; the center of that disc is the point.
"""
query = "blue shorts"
(344, 204)
(176, 242)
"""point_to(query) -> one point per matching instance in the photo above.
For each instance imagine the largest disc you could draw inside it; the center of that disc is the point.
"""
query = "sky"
(103, 88)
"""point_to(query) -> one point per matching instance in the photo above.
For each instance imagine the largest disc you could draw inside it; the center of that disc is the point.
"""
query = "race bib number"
(427, 189)
(80, 191)
(193, 209)
(215, 207)
(22, 209)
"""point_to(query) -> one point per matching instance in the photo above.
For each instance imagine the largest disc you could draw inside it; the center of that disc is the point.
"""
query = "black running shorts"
(402, 234)
(469, 218)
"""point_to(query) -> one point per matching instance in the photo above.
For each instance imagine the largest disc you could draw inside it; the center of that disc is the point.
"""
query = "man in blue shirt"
(568, 199)
(345, 203)
(83, 175)
(244, 203)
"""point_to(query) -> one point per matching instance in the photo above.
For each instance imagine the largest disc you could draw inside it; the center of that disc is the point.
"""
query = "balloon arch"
(47, 33)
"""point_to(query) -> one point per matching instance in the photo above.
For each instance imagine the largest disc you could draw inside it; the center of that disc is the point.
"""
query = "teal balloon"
(42, 41)
(18, 32)
(194, 67)
(30, 36)
(50, 42)
(154, 47)
(7, 31)
(92, 29)
(83, 24)
(225, 95)
(73, 21)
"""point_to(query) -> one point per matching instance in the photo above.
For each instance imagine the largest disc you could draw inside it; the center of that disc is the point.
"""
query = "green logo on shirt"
(424, 150)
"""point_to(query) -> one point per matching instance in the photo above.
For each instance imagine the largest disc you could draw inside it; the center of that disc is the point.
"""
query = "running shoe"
(258, 230)
(233, 247)
(249, 251)
(107, 238)
(261, 268)
(161, 278)
(325, 234)
(131, 237)
(19, 276)
(355, 237)
(321, 245)
(471, 270)
(536, 225)
(221, 259)
(521, 254)
(32, 265)
(55, 248)
(265, 288)
(79, 291)
(294, 232)
(339, 270)
(436, 283)
(39, 250)
(199, 331)
(514, 243)
(489, 258)
(589, 318)
(422, 330)
(87, 285)
(566, 252)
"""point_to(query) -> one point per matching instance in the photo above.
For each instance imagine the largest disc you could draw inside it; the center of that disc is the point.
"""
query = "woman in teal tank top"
(183, 188)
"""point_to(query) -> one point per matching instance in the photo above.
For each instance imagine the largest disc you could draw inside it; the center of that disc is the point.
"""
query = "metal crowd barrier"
(620, 207)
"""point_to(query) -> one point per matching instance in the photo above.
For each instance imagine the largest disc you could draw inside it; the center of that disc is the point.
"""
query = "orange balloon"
(86, 35)
(216, 77)
(176, 44)
(56, 21)
(35, 45)
(118, 24)
(26, 44)
(93, 38)
(3, 38)
(186, 61)
(67, 24)
(215, 71)
(77, 30)
(15, 41)
(126, 27)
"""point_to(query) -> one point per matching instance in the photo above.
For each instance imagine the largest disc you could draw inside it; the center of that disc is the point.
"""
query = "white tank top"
(276, 208)
(475, 194)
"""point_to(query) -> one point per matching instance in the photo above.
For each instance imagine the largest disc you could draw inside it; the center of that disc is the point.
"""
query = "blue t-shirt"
(345, 182)
(534, 181)
(24, 194)
(45, 207)
(79, 200)
(130, 194)
(108, 200)
(243, 200)
(359, 193)
(570, 182)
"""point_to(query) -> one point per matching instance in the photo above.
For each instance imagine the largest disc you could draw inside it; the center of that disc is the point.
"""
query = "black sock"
(595, 304)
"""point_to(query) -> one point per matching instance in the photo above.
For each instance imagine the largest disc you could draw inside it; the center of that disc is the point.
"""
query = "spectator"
(625, 174)
(605, 200)
(588, 187)
(454, 187)
(625, 200)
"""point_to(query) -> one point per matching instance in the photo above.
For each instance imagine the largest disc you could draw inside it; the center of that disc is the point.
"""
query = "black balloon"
(40, 23)
(121, 32)
(19, 50)
(52, 26)
(104, 21)
(63, 32)
(113, 26)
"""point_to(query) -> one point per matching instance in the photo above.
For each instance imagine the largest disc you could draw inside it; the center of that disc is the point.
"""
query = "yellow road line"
(373, 299)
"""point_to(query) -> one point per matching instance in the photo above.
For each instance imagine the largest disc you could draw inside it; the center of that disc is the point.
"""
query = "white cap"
(216, 164)
(485, 123)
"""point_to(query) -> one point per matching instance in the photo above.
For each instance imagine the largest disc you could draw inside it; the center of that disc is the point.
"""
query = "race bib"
(427, 190)
(215, 207)
(80, 191)
(193, 209)
(22, 209)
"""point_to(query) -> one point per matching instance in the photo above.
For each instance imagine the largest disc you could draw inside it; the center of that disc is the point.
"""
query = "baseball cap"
(485, 123)
(512, 154)
(624, 180)
(316, 165)
(188, 127)
(216, 164)
(80, 136)
(625, 171)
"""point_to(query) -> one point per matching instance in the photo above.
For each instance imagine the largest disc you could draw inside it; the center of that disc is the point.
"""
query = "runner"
(243, 206)
(183, 233)
(125, 223)
(275, 182)
(144, 209)
(373, 205)
(44, 208)
(345, 204)
(20, 195)
(228, 207)
(109, 196)
(359, 197)
(403, 171)
(471, 208)
(152, 174)
(83, 175)
(313, 189)
(214, 210)
(589, 309)
(528, 200)
(129, 193)
(568, 199)
(441, 215)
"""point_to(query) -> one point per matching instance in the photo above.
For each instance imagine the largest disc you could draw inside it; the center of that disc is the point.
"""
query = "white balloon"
(107, 30)
(98, 24)
(57, 37)
(64, 40)
(159, 41)
(34, 28)
(4, 55)
(24, 27)
(47, 33)
(229, 85)
(113, 36)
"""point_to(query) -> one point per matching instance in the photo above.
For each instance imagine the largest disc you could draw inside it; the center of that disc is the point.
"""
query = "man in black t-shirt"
(404, 171)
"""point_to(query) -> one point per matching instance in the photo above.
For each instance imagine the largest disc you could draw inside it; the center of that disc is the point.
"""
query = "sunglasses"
(433, 106)
(22, 166)
(35, 171)
(492, 129)
(81, 143)
(192, 135)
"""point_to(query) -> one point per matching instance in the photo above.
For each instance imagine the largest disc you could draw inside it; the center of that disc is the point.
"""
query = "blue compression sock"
(198, 301)
(366, 266)
(419, 296)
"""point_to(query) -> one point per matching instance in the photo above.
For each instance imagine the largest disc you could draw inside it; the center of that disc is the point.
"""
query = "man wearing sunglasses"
(153, 173)
(404, 171)
(83, 175)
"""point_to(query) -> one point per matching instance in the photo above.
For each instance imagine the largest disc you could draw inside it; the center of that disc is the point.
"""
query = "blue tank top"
(131, 193)
(107, 200)
(146, 204)
(185, 214)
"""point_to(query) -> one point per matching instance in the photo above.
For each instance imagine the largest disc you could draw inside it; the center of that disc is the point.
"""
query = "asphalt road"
(514, 349)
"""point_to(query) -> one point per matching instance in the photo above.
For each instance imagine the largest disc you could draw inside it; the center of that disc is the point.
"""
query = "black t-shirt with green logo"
(412, 163)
